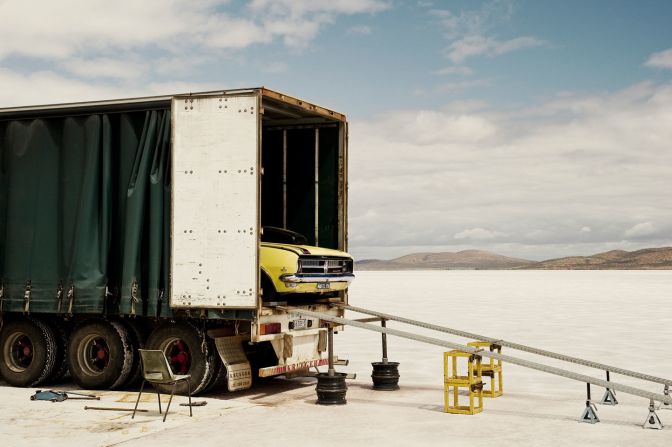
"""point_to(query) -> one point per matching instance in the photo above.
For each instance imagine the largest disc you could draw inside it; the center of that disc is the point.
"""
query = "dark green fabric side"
(3, 202)
(83, 203)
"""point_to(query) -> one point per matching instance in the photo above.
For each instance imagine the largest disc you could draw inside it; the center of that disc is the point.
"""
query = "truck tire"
(138, 336)
(100, 355)
(27, 352)
(188, 351)
(61, 335)
(220, 375)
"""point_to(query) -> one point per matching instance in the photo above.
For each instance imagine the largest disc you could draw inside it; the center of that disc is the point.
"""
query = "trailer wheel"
(28, 352)
(220, 375)
(138, 336)
(100, 355)
(188, 351)
(61, 335)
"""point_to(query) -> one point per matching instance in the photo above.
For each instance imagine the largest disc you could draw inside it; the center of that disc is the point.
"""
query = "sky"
(532, 128)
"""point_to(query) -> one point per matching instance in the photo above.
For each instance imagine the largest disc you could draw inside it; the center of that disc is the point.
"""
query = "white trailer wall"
(215, 214)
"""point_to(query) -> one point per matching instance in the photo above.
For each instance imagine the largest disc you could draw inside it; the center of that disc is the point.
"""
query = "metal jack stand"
(385, 374)
(652, 420)
(609, 397)
(331, 387)
(589, 415)
(665, 405)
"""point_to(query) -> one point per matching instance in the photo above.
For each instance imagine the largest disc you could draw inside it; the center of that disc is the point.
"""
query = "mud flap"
(231, 352)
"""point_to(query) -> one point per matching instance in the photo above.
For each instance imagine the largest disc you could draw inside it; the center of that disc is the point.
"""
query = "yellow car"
(290, 266)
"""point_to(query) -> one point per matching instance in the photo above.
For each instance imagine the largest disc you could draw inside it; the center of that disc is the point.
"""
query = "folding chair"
(155, 369)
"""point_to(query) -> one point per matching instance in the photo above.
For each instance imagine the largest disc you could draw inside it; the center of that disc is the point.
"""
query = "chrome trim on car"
(316, 277)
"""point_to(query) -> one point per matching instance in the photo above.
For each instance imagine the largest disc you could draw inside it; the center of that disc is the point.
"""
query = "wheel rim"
(18, 351)
(93, 354)
(178, 355)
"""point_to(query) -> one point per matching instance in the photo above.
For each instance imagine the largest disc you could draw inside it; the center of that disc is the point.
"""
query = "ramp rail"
(512, 345)
(652, 397)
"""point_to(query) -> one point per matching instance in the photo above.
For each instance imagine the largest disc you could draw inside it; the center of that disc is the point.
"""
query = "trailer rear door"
(215, 212)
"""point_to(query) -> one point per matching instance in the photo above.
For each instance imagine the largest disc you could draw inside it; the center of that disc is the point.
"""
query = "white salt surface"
(619, 318)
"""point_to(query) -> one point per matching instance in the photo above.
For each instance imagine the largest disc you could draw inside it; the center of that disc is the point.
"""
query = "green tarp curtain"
(85, 206)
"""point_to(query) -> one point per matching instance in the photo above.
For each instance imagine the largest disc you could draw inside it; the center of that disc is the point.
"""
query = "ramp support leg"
(665, 405)
(652, 420)
(589, 415)
(609, 397)
(385, 374)
(331, 387)
(330, 352)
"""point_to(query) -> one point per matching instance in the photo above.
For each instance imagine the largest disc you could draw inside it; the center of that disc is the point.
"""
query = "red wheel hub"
(22, 351)
(179, 357)
(100, 354)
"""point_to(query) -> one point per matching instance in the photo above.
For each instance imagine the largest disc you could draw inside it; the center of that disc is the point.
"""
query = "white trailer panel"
(215, 213)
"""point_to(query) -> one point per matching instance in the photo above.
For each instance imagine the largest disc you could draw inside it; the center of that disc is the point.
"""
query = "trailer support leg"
(331, 387)
(385, 374)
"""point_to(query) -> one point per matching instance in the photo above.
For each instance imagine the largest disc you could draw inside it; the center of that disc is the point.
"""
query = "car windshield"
(283, 236)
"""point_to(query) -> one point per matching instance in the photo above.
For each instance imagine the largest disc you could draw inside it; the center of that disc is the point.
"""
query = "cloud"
(469, 32)
(127, 37)
(476, 45)
(540, 176)
(640, 230)
(661, 59)
(104, 67)
(48, 87)
(477, 234)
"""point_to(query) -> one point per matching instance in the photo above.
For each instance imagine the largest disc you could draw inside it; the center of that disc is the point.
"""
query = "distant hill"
(462, 260)
(646, 259)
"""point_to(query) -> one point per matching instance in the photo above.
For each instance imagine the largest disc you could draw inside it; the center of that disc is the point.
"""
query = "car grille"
(325, 265)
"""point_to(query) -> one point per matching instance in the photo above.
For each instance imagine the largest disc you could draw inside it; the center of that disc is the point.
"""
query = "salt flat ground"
(622, 318)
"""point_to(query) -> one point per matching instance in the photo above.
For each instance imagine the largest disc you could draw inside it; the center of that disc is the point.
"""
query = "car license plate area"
(301, 323)
(323, 285)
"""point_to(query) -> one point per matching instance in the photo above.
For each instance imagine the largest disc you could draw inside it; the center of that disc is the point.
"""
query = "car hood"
(307, 250)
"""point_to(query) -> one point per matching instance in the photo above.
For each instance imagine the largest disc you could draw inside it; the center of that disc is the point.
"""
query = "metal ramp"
(589, 380)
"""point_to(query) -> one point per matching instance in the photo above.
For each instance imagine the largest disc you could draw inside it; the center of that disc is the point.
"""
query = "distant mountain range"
(646, 259)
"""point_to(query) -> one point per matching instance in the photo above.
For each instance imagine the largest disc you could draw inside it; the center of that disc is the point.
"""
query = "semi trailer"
(177, 223)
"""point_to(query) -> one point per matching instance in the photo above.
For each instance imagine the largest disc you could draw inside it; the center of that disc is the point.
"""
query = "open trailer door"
(215, 211)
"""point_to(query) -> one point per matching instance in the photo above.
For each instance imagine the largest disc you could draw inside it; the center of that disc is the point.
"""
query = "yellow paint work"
(281, 259)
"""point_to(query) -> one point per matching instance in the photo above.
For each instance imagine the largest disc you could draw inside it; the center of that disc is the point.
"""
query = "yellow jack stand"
(453, 382)
(492, 369)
